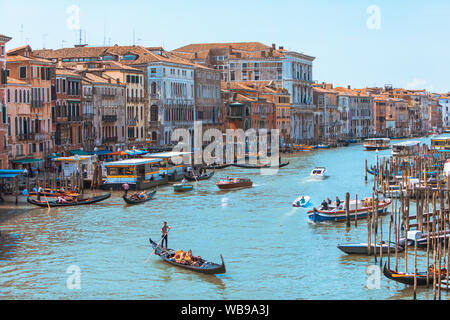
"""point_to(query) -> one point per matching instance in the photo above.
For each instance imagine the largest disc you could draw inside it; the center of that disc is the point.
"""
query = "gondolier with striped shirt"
(164, 230)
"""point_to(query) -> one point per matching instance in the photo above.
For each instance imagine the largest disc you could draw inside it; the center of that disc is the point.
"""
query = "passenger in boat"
(61, 200)
(338, 202)
(164, 230)
(142, 195)
(184, 181)
(329, 201)
(324, 205)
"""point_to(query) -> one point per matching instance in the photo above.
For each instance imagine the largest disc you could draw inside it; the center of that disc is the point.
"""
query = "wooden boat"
(218, 166)
(150, 195)
(234, 183)
(408, 278)
(357, 210)
(263, 166)
(322, 146)
(204, 267)
(362, 248)
(301, 201)
(54, 203)
(196, 178)
(179, 187)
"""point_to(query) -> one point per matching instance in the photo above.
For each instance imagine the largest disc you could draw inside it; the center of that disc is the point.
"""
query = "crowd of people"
(186, 258)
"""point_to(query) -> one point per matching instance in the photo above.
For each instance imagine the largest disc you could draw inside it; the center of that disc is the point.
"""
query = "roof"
(131, 162)
(167, 155)
(234, 50)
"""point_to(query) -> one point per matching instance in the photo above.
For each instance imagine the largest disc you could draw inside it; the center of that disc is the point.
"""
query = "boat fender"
(414, 235)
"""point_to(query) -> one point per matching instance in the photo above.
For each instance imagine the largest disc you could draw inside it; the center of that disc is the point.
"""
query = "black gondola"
(150, 195)
(217, 166)
(54, 203)
(408, 278)
(265, 166)
(205, 266)
(196, 178)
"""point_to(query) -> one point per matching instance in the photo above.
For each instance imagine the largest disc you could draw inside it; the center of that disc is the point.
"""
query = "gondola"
(408, 278)
(217, 166)
(196, 178)
(264, 166)
(150, 195)
(205, 266)
(54, 203)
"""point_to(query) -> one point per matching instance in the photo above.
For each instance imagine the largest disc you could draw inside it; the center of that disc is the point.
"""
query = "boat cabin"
(377, 143)
(440, 144)
(84, 164)
(407, 148)
(167, 164)
(139, 173)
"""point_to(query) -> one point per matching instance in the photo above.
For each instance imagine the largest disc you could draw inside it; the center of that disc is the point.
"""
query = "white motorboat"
(318, 173)
(301, 201)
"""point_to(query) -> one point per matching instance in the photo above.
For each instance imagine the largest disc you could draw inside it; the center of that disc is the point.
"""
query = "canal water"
(271, 250)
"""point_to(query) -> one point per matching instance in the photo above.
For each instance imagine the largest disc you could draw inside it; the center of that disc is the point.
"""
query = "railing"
(132, 122)
(74, 118)
(109, 118)
(88, 115)
(108, 96)
(36, 103)
(25, 136)
(154, 123)
(109, 139)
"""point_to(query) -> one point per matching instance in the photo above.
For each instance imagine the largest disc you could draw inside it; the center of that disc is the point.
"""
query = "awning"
(102, 152)
(80, 152)
(26, 161)
(56, 155)
(10, 173)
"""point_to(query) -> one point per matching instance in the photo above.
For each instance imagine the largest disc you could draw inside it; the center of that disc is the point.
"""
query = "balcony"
(109, 140)
(109, 118)
(154, 123)
(132, 122)
(108, 96)
(25, 136)
(74, 118)
(37, 103)
(88, 116)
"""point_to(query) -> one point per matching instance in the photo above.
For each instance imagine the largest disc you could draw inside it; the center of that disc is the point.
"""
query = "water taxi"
(168, 164)
(407, 148)
(377, 143)
(139, 173)
(441, 144)
(318, 173)
(234, 183)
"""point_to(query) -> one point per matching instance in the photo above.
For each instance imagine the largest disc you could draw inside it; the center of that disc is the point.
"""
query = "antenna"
(21, 33)
(62, 43)
(43, 40)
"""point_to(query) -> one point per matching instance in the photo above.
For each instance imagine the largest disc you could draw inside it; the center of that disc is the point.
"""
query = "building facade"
(3, 104)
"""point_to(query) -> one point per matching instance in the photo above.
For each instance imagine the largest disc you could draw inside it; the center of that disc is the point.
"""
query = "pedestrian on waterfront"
(164, 230)
(25, 172)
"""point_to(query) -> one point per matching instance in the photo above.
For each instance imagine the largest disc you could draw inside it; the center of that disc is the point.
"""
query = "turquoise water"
(271, 250)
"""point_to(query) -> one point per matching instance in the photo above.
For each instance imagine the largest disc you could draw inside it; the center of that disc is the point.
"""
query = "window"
(23, 72)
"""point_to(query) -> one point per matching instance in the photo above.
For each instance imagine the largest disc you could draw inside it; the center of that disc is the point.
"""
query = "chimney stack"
(274, 46)
(348, 87)
(281, 47)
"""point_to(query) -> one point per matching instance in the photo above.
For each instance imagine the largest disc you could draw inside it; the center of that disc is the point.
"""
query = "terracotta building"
(34, 128)
(3, 104)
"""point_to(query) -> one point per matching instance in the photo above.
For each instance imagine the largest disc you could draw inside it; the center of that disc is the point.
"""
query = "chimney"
(274, 46)
(228, 86)
(109, 80)
(195, 55)
(263, 53)
(281, 47)
(348, 87)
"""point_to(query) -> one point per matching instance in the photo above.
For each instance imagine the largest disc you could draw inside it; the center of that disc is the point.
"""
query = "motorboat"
(318, 173)
(301, 201)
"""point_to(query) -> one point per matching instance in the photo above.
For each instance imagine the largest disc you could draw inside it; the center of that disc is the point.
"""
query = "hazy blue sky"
(410, 48)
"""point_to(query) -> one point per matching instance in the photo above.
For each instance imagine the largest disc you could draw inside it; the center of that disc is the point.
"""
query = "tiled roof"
(241, 98)
(241, 50)
(66, 72)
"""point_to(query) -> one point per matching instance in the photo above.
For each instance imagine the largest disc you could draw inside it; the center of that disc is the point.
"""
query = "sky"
(355, 42)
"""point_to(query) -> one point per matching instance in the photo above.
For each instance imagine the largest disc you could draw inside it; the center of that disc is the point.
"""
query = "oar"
(156, 247)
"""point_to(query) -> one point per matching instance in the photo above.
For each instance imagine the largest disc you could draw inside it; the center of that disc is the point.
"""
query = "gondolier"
(164, 230)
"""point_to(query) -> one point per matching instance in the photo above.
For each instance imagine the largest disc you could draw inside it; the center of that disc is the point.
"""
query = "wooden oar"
(157, 246)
